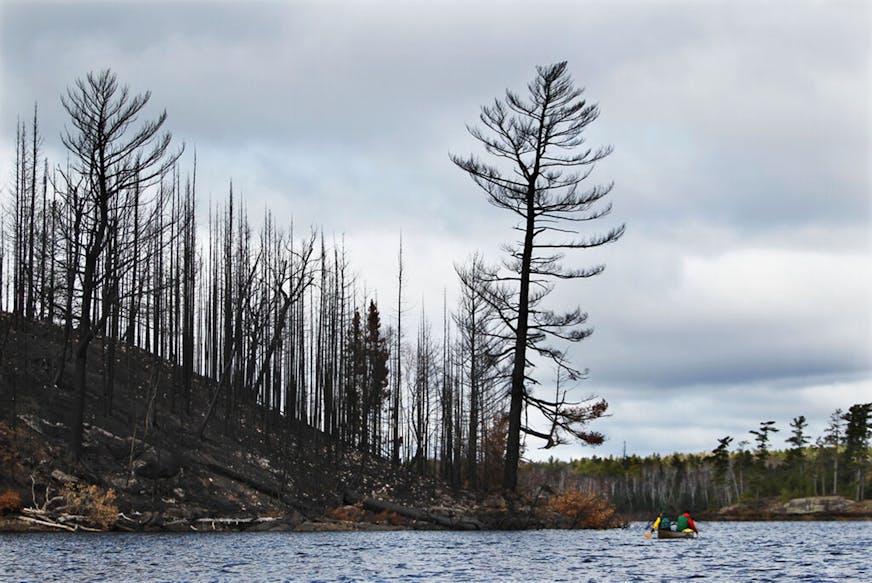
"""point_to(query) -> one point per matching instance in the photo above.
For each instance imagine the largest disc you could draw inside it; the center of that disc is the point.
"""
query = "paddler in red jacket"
(685, 522)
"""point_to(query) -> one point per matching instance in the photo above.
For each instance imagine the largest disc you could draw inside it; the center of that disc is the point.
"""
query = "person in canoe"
(661, 522)
(656, 524)
(685, 523)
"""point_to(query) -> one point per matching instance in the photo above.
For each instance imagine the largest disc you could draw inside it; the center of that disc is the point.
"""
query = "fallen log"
(46, 523)
(273, 490)
(53, 524)
(234, 522)
(126, 523)
(452, 522)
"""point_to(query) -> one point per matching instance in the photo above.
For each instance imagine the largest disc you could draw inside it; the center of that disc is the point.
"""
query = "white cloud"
(745, 313)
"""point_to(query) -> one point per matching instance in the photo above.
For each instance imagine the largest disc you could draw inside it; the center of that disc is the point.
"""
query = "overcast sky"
(742, 135)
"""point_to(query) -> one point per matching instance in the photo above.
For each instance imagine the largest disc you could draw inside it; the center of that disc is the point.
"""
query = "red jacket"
(690, 523)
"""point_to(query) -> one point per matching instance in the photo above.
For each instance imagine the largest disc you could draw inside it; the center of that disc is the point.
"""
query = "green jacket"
(664, 523)
(684, 522)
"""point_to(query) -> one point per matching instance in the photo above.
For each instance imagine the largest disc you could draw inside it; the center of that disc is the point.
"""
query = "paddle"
(649, 529)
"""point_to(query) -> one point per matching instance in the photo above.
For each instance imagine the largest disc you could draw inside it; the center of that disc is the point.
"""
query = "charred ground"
(160, 468)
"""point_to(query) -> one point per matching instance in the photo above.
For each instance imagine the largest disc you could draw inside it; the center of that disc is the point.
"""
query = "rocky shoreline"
(797, 509)
(371, 514)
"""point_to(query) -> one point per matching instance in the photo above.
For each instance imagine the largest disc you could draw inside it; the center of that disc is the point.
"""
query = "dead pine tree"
(483, 355)
(539, 166)
(398, 375)
(110, 158)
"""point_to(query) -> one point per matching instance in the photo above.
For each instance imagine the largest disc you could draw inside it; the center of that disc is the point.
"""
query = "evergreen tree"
(833, 438)
(356, 375)
(721, 467)
(375, 392)
(762, 482)
(857, 433)
(761, 454)
(721, 459)
(794, 471)
(797, 441)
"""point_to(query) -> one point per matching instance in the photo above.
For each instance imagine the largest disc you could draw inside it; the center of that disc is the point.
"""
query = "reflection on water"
(793, 551)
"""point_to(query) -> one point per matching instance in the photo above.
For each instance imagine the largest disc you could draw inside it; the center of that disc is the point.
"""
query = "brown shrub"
(347, 513)
(585, 509)
(92, 502)
(10, 501)
(386, 517)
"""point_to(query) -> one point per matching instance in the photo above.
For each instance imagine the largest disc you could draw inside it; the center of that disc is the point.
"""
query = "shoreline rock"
(823, 508)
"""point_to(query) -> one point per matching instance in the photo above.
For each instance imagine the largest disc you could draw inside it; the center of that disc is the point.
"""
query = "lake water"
(792, 551)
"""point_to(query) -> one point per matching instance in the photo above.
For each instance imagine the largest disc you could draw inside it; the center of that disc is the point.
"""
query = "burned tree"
(111, 160)
(540, 164)
(483, 352)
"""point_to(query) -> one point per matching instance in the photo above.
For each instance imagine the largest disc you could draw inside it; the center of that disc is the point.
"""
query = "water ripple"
(724, 552)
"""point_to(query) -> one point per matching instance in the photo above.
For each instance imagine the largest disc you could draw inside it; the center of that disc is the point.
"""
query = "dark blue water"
(816, 551)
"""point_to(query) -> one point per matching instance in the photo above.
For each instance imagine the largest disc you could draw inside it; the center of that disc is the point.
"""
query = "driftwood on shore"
(236, 521)
(65, 522)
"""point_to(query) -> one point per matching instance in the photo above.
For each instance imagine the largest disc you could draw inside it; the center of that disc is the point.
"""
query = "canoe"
(675, 534)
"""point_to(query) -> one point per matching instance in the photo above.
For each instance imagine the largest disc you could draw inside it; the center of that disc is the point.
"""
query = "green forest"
(835, 463)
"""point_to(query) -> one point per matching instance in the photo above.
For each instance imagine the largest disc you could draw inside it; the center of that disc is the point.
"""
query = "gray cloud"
(741, 133)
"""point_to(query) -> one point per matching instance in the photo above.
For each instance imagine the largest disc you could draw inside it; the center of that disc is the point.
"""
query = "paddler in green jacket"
(685, 523)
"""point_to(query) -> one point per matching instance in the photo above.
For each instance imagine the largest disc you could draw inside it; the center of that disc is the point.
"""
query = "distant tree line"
(110, 245)
(834, 463)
